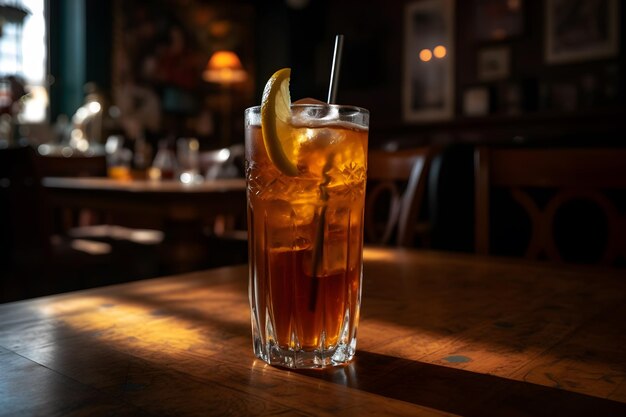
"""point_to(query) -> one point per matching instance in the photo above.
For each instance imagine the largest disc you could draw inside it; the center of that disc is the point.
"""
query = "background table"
(180, 210)
(440, 334)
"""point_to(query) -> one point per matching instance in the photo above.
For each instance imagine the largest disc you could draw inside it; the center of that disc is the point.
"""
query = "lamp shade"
(224, 67)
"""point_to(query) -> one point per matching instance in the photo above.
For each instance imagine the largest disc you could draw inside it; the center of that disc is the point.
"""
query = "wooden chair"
(569, 175)
(396, 183)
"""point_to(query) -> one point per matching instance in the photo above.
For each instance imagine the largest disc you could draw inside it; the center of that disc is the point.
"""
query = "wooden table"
(178, 209)
(440, 335)
(173, 198)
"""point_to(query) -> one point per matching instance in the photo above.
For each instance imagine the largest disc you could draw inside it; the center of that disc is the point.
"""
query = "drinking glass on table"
(188, 151)
(164, 165)
(118, 158)
(306, 172)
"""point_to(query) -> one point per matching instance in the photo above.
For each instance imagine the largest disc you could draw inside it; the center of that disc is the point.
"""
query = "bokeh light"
(440, 51)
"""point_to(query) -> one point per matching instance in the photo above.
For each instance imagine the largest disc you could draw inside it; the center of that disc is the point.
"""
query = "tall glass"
(306, 237)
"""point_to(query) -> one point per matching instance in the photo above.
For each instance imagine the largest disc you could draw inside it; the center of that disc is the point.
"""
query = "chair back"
(544, 182)
(395, 190)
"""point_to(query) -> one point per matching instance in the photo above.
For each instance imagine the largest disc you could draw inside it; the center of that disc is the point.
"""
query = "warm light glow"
(94, 107)
(224, 59)
(426, 55)
(76, 134)
(82, 145)
(440, 51)
(166, 316)
(220, 28)
(124, 323)
(224, 67)
(144, 236)
(375, 254)
(514, 5)
(91, 247)
(154, 173)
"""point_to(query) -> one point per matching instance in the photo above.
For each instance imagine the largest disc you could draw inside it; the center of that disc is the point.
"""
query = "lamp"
(224, 68)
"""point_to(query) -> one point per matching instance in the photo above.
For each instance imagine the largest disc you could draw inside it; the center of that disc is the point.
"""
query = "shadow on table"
(460, 392)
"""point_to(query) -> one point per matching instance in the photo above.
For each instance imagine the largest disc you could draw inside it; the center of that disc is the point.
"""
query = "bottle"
(164, 165)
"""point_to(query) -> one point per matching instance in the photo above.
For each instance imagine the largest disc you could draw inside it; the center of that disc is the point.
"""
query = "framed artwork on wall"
(494, 63)
(428, 81)
(161, 52)
(476, 101)
(581, 30)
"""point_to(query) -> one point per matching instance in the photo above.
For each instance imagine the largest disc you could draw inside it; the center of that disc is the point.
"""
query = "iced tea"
(306, 236)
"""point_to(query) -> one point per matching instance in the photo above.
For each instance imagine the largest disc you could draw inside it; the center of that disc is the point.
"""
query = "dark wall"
(302, 38)
(373, 68)
(99, 36)
(296, 38)
(559, 102)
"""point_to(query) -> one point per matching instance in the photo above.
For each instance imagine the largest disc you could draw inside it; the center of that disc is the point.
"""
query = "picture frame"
(497, 20)
(476, 101)
(428, 79)
(581, 30)
(494, 63)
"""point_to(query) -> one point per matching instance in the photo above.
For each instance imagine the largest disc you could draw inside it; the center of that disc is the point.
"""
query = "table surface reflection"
(440, 334)
(170, 198)
(102, 184)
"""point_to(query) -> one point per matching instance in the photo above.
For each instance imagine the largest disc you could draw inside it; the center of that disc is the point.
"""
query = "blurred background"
(142, 90)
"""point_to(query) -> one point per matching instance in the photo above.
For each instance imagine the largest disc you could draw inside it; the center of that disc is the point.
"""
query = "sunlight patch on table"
(125, 324)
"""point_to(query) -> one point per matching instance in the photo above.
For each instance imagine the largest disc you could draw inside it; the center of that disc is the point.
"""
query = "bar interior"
(139, 231)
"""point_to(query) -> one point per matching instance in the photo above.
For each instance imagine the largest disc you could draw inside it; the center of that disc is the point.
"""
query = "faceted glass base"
(301, 359)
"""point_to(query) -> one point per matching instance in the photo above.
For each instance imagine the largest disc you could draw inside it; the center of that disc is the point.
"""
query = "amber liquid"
(301, 301)
(119, 173)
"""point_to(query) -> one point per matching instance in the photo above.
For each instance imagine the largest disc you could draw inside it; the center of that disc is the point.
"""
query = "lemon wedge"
(275, 116)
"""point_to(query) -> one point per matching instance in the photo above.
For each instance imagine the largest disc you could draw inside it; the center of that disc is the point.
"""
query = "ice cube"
(279, 213)
(322, 137)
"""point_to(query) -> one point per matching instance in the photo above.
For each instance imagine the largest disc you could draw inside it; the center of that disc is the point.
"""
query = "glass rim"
(317, 105)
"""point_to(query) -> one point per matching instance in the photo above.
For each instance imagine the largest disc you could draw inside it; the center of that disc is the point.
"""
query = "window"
(23, 54)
